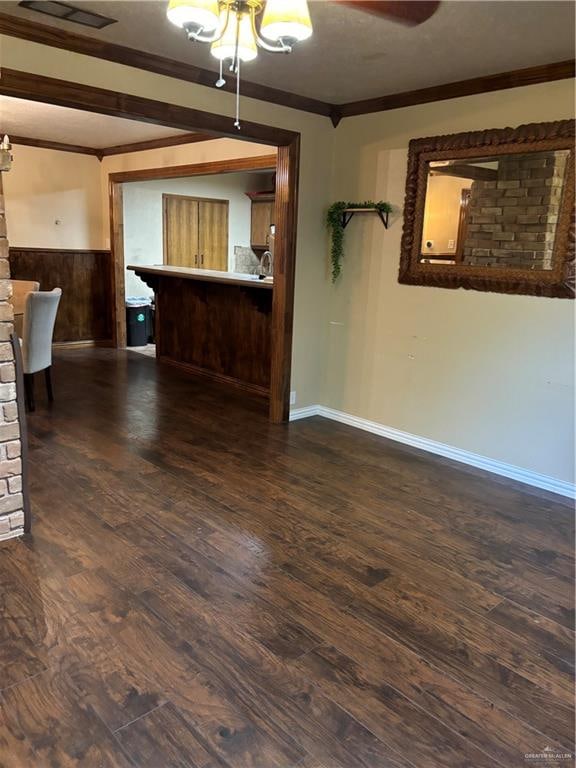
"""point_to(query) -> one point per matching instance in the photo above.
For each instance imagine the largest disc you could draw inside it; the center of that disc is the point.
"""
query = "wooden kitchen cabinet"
(262, 219)
(195, 232)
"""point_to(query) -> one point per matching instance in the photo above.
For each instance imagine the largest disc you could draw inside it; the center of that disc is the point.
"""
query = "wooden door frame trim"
(117, 290)
(234, 165)
(284, 263)
(286, 163)
(197, 199)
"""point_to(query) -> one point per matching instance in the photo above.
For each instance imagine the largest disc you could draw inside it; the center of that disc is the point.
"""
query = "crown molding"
(55, 37)
(57, 145)
(167, 141)
(559, 70)
(119, 149)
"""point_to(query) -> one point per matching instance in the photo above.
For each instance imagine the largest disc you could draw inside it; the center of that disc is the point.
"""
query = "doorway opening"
(217, 225)
(287, 143)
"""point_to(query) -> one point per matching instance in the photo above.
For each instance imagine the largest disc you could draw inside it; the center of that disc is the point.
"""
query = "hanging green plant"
(336, 225)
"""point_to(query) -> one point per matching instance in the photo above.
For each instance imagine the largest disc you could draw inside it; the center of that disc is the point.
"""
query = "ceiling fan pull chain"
(237, 121)
(220, 82)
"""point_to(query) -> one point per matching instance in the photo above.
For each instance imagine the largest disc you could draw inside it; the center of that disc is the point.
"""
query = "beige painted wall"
(45, 187)
(312, 286)
(485, 372)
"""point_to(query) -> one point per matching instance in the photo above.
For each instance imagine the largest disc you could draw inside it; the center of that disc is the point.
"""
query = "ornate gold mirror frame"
(538, 137)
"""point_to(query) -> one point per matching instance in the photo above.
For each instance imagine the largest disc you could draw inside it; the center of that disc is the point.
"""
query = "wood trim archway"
(115, 197)
(49, 90)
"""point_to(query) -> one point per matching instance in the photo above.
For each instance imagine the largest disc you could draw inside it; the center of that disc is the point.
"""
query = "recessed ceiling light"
(68, 13)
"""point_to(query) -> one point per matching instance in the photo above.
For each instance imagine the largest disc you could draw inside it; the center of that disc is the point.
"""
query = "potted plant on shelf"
(338, 218)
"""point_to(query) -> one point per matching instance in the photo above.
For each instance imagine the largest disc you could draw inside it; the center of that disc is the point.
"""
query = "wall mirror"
(492, 210)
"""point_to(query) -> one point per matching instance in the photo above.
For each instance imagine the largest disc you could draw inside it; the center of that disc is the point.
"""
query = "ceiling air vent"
(68, 13)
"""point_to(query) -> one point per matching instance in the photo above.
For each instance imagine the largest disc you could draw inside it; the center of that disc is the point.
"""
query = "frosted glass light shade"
(225, 48)
(286, 19)
(204, 13)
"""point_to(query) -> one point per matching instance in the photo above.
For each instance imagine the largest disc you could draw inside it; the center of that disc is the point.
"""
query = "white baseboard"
(305, 413)
(545, 482)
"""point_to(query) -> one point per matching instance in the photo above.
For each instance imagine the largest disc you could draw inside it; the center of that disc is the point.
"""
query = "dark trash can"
(138, 323)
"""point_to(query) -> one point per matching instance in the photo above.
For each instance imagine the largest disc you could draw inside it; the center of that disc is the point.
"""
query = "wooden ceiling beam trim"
(71, 41)
(23, 85)
(517, 78)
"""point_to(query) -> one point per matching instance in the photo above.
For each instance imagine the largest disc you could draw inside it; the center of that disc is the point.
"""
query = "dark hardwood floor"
(204, 589)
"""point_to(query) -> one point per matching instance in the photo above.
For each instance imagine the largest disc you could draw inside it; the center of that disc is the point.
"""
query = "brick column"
(11, 500)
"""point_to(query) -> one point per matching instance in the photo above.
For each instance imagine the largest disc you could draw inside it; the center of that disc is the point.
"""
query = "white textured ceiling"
(353, 55)
(73, 126)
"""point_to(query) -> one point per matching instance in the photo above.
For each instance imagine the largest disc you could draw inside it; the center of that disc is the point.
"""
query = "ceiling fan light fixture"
(231, 29)
(237, 40)
(286, 20)
(201, 14)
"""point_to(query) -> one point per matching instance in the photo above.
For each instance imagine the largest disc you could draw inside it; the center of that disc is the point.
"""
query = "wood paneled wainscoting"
(85, 312)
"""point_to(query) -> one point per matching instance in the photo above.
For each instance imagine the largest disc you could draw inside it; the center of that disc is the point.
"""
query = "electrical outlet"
(292, 398)
(451, 245)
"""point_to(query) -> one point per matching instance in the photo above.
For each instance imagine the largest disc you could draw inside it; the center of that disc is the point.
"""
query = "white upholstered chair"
(38, 328)
(21, 289)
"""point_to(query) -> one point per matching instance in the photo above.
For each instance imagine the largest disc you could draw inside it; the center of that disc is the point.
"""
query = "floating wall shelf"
(348, 213)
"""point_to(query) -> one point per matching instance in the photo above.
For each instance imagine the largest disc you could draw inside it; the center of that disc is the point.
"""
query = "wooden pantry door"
(180, 231)
(213, 234)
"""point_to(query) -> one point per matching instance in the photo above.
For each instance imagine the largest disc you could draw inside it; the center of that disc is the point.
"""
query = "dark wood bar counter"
(214, 324)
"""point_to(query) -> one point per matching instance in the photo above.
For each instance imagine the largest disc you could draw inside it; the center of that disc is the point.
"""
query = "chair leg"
(48, 378)
(29, 391)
